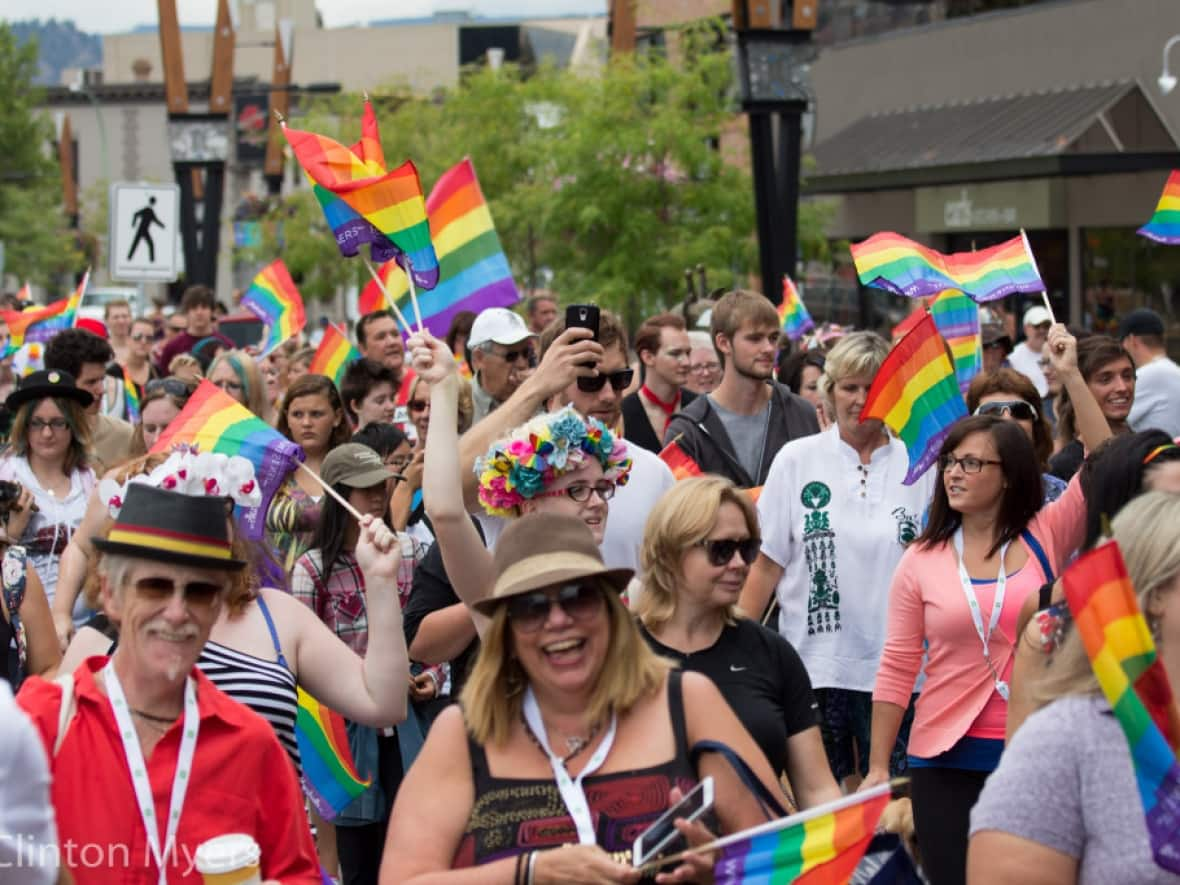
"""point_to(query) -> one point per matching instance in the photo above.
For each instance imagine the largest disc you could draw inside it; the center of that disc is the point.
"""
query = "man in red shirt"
(148, 758)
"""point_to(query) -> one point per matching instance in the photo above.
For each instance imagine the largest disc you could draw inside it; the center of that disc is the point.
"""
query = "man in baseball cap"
(1157, 378)
(503, 355)
(1026, 358)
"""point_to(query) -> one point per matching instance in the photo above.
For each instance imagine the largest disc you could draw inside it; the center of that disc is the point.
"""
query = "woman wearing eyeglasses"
(955, 598)
(699, 543)
(1006, 393)
(136, 367)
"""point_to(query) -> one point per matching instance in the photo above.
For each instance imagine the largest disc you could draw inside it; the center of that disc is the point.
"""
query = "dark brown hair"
(1013, 383)
(315, 385)
(1021, 497)
(1093, 353)
(648, 336)
(198, 295)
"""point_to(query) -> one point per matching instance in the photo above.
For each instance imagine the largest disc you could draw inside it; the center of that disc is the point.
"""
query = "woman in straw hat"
(570, 732)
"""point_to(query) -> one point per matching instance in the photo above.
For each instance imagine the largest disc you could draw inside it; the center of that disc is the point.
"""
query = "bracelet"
(516, 875)
(532, 865)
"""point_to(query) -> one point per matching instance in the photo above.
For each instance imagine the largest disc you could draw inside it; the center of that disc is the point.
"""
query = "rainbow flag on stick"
(1122, 653)
(820, 846)
(792, 314)
(915, 393)
(957, 319)
(130, 397)
(359, 197)
(891, 262)
(41, 324)
(330, 778)
(473, 270)
(213, 421)
(274, 299)
(681, 463)
(333, 355)
(1164, 226)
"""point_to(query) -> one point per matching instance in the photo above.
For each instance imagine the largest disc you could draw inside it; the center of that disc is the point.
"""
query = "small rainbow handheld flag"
(891, 262)
(330, 779)
(957, 319)
(1122, 653)
(213, 421)
(473, 269)
(355, 187)
(41, 324)
(333, 355)
(274, 299)
(1164, 226)
(682, 464)
(915, 393)
(793, 316)
(130, 397)
(820, 846)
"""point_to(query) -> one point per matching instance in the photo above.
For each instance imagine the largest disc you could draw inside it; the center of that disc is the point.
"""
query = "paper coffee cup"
(231, 859)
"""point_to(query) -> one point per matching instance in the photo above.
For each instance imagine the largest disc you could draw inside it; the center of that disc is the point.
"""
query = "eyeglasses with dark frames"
(969, 463)
(580, 492)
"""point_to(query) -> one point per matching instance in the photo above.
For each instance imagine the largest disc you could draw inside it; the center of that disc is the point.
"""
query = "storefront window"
(1121, 271)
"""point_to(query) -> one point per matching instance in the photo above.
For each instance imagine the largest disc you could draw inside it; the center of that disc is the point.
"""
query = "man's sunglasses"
(521, 353)
(194, 592)
(620, 380)
(720, 551)
(529, 611)
(1016, 408)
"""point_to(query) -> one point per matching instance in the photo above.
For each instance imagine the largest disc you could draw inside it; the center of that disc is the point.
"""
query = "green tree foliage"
(32, 226)
(612, 180)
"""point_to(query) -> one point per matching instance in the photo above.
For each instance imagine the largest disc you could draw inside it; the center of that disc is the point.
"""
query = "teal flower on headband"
(535, 454)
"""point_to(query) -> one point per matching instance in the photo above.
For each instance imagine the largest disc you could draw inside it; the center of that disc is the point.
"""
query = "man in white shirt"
(1026, 358)
(1157, 378)
(28, 834)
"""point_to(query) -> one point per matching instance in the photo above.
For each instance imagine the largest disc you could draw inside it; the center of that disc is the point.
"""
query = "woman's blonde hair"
(856, 355)
(492, 697)
(249, 376)
(681, 518)
(1148, 533)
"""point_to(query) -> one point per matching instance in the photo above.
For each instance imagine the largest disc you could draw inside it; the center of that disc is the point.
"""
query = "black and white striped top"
(266, 687)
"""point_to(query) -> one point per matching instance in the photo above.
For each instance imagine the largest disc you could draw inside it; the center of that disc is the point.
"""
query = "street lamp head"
(1167, 83)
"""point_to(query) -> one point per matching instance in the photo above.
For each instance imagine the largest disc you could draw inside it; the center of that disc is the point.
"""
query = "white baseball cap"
(497, 324)
(1036, 315)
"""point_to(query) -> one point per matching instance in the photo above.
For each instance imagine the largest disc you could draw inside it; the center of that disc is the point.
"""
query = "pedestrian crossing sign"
(144, 234)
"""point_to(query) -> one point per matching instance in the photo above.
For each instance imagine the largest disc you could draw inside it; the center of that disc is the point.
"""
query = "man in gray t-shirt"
(746, 432)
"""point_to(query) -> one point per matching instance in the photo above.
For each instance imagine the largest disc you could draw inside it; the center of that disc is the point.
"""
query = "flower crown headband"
(520, 466)
(192, 473)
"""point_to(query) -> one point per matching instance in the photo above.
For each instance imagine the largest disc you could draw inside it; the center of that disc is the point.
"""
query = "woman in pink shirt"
(955, 596)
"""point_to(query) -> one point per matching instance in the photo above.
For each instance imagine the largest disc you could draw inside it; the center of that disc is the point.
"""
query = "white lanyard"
(571, 790)
(139, 777)
(977, 615)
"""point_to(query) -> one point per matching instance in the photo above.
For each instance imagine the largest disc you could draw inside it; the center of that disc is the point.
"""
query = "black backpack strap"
(769, 803)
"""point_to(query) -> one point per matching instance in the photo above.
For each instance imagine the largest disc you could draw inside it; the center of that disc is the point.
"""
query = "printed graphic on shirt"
(819, 549)
(907, 526)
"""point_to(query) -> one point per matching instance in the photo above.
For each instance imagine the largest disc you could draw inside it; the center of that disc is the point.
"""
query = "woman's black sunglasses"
(529, 611)
(720, 551)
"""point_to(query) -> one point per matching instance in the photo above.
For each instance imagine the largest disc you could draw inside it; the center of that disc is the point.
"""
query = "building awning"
(1094, 129)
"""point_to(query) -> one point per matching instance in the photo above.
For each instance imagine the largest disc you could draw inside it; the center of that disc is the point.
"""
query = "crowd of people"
(538, 636)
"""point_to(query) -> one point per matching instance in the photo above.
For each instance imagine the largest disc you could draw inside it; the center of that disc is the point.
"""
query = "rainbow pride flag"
(41, 324)
(333, 355)
(820, 846)
(213, 421)
(915, 393)
(360, 197)
(473, 269)
(1164, 226)
(957, 319)
(682, 464)
(274, 299)
(792, 314)
(891, 262)
(330, 778)
(1123, 655)
(130, 397)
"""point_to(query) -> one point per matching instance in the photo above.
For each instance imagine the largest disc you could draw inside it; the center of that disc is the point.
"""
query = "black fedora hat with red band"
(166, 526)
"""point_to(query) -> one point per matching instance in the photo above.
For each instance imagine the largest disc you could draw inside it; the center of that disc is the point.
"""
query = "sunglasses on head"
(720, 551)
(620, 380)
(529, 611)
(1015, 408)
(171, 386)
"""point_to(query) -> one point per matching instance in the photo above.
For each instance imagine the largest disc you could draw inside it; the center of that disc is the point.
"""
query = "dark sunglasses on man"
(619, 380)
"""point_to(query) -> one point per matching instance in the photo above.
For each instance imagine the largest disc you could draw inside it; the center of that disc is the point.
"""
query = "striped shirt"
(266, 687)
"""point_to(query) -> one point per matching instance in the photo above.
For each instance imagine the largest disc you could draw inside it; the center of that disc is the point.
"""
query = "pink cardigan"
(926, 591)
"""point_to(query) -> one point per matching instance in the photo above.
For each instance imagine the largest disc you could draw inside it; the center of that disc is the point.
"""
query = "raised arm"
(1063, 354)
(571, 355)
(373, 690)
(74, 565)
(467, 561)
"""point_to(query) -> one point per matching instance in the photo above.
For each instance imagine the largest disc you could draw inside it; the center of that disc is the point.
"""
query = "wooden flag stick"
(1032, 258)
(413, 292)
(388, 298)
(331, 491)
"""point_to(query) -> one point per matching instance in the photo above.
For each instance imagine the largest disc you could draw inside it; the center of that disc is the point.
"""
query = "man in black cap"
(1157, 378)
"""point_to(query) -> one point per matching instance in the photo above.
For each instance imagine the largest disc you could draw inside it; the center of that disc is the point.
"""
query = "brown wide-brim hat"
(543, 549)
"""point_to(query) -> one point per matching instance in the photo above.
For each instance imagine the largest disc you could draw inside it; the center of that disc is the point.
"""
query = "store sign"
(1001, 205)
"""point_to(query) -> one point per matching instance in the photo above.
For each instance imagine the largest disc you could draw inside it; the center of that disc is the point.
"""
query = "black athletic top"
(761, 676)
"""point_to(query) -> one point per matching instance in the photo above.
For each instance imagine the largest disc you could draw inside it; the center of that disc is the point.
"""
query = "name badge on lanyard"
(977, 614)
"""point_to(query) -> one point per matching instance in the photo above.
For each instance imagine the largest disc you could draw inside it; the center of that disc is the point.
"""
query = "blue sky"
(122, 15)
